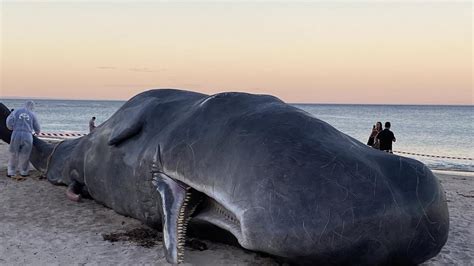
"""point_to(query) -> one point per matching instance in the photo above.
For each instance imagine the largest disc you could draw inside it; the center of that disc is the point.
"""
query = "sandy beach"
(38, 225)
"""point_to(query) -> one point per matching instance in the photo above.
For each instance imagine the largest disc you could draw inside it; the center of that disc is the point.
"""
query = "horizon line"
(297, 103)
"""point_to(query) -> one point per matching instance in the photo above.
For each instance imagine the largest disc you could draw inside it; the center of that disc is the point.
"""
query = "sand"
(38, 225)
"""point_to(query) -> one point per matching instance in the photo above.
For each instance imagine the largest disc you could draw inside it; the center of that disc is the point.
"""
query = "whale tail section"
(5, 133)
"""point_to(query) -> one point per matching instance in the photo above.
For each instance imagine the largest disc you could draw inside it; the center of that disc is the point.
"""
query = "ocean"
(422, 129)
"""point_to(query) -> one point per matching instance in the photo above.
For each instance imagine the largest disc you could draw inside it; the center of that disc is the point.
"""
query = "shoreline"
(453, 172)
(39, 225)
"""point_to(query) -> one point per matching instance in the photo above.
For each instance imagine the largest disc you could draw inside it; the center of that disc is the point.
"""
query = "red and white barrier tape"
(60, 135)
(435, 156)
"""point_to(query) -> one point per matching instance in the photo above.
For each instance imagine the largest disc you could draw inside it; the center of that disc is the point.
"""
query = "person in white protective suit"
(22, 122)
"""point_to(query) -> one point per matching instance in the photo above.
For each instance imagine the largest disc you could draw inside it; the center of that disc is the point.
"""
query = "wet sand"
(38, 225)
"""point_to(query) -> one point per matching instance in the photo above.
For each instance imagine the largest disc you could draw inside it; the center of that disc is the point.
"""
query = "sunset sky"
(400, 52)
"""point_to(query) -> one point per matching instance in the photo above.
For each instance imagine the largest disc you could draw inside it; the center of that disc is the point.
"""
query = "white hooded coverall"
(23, 122)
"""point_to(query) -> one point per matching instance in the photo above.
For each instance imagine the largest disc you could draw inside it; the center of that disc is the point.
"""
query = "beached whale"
(280, 180)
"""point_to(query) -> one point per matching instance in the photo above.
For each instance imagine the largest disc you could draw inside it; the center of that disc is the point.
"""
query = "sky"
(372, 52)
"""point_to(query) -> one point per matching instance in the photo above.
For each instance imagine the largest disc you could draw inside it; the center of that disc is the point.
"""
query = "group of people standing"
(382, 139)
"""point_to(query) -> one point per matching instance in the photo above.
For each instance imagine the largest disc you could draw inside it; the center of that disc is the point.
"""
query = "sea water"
(422, 129)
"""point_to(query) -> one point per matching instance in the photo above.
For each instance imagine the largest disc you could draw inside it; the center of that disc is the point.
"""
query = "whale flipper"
(124, 132)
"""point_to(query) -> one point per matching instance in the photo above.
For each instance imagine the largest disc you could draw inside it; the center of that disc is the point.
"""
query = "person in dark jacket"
(386, 138)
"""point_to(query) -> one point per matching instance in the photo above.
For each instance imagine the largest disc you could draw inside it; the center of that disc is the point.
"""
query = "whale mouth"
(211, 211)
(179, 203)
(182, 203)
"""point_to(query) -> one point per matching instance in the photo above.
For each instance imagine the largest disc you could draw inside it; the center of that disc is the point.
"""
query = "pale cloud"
(130, 85)
(132, 69)
(106, 67)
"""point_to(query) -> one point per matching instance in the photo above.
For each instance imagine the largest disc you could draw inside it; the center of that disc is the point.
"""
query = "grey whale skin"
(280, 180)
